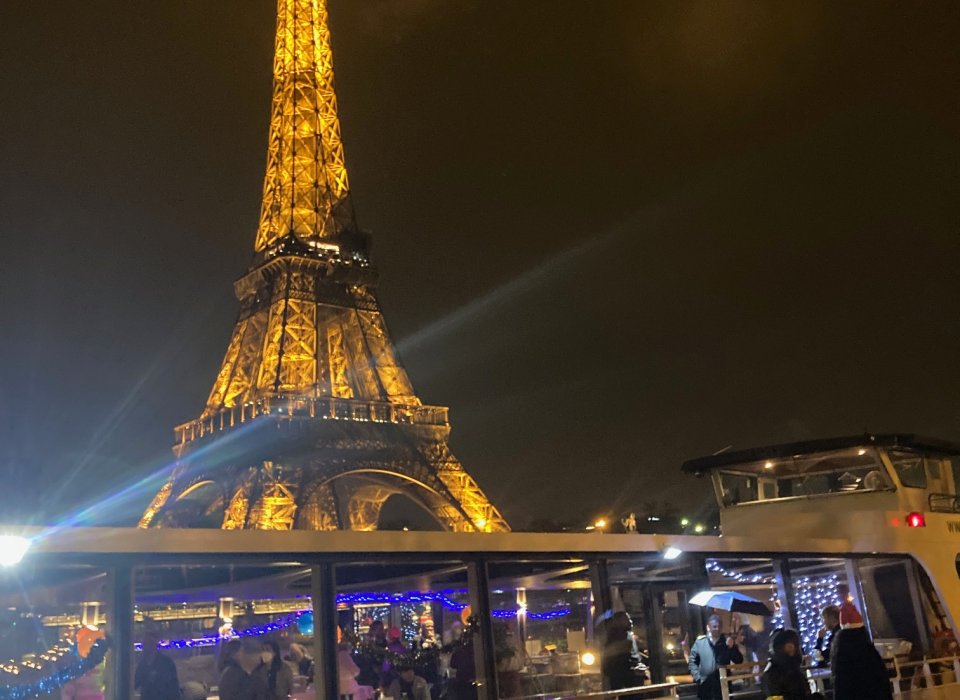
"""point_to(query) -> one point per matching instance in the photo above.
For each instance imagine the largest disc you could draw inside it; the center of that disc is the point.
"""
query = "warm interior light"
(12, 549)
(768, 465)
(916, 520)
(861, 452)
(588, 659)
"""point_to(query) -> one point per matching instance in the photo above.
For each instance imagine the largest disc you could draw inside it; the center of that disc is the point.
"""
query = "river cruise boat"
(484, 616)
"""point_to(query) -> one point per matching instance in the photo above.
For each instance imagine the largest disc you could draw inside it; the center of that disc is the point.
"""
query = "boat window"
(816, 583)
(654, 592)
(842, 471)
(46, 622)
(752, 579)
(898, 611)
(910, 469)
(542, 621)
(192, 610)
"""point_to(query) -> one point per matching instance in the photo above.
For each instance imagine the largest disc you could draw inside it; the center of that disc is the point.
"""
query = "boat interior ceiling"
(807, 464)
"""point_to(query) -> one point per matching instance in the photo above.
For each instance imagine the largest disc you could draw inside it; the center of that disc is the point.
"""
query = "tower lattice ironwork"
(312, 422)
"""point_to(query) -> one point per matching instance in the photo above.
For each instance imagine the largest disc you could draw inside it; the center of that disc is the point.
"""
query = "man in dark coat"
(858, 671)
(156, 674)
(620, 661)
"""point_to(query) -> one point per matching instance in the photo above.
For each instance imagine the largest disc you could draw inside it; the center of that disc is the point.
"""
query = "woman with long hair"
(275, 672)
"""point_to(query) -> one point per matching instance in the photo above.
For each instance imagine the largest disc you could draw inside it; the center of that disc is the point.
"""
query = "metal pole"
(484, 654)
(324, 595)
(119, 669)
(855, 589)
(651, 617)
(600, 585)
(788, 603)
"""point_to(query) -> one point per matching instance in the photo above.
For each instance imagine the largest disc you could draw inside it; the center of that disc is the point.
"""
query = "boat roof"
(902, 441)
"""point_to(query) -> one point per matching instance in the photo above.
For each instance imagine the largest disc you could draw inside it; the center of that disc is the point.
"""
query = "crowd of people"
(252, 668)
(843, 645)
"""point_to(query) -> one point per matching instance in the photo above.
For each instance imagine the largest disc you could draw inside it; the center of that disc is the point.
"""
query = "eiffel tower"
(312, 422)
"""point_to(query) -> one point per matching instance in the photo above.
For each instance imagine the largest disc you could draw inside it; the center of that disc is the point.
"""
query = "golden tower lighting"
(312, 422)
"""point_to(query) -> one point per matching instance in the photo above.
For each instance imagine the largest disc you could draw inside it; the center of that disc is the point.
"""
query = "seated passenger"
(407, 685)
(873, 481)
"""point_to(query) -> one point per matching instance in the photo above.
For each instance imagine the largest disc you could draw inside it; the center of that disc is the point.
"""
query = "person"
(620, 659)
(408, 685)
(831, 625)
(746, 642)
(510, 660)
(347, 672)
(376, 634)
(464, 682)
(783, 676)
(239, 680)
(156, 674)
(297, 656)
(274, 672)
(228, 655)
(710, 651)
(859, 672)
(395, 648)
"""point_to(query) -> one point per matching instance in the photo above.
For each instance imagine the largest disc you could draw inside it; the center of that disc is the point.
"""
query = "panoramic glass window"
(756, 608)
(903, 613)
(406, 628)
(52, 631)
(910, 469)
(542, 621)
(854, 470)
(654, 593)
(196, 626)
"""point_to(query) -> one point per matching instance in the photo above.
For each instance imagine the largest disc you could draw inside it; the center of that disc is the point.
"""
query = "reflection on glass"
(52, 630)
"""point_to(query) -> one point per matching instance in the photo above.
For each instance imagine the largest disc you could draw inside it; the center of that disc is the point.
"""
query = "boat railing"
(640, 692)
(913, 677)
(944, 502)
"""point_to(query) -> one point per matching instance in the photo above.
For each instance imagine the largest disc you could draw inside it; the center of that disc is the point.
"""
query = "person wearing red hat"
(858, 671)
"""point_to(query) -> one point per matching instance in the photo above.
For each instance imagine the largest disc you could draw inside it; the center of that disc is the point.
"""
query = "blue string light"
(60, 677)
(413, 597)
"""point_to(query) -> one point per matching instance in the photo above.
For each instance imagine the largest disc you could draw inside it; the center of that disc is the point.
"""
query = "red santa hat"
(849, 616)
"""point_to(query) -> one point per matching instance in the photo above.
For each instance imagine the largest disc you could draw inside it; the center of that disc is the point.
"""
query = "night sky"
(611, 235)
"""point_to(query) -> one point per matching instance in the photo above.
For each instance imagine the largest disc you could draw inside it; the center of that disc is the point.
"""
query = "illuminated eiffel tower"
(312, 423)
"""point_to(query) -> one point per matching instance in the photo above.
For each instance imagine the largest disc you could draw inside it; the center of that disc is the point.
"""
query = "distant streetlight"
(698, 528)
(12, 549)
(600, 524)
(684, 522)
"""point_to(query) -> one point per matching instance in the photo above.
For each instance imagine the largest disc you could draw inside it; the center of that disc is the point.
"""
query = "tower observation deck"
(312, 421)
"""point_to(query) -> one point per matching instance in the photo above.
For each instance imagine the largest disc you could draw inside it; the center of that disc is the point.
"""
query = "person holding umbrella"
(709, 652)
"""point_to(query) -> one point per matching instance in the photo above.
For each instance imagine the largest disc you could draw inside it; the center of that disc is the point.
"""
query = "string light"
(811, 596)
(777, 620)
(59, 677)
(407, 602)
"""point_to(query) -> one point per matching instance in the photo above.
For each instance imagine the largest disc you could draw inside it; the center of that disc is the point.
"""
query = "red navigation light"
(916, 520)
